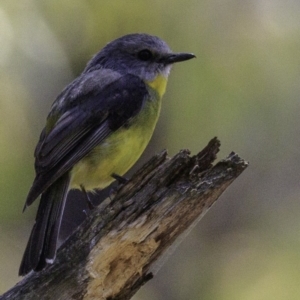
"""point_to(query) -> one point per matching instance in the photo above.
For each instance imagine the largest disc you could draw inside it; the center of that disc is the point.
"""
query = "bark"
(121, 244)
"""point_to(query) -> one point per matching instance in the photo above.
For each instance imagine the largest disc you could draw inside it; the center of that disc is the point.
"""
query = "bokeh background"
(243, 87)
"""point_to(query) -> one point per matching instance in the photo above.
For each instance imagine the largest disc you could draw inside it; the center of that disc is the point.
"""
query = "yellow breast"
(119, 151)
(159, 84)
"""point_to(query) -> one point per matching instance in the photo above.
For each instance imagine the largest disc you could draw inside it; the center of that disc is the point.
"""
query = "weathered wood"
(113, 253)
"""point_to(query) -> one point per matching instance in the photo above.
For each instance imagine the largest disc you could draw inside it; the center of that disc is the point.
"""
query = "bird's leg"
(89, 202)
(120, 179)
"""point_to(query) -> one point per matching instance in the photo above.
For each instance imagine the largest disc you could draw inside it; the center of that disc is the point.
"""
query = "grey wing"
(92, 118)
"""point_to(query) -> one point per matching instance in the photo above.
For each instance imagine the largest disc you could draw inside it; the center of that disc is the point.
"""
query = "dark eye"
(145, 55)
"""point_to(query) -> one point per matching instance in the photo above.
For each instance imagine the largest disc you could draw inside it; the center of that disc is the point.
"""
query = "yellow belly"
(118, 152)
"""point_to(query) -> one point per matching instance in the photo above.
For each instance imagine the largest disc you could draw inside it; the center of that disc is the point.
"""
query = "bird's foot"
(120, 179)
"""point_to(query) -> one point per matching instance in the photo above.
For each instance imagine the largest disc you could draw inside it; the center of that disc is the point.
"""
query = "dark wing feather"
(92, 117)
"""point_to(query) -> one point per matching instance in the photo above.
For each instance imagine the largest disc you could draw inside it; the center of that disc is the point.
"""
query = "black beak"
(176, 57)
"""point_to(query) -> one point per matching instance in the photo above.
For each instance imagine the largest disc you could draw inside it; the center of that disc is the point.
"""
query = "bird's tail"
(41, 247)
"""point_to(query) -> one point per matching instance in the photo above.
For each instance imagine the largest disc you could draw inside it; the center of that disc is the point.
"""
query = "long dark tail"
(41, 247)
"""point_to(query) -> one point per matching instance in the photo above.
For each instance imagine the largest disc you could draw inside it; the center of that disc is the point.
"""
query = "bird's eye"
(145, 55)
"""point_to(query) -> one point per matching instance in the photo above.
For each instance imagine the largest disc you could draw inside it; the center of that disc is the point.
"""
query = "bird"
(96, 130)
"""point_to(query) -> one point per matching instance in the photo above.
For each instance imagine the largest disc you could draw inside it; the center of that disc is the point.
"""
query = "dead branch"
(116, 250)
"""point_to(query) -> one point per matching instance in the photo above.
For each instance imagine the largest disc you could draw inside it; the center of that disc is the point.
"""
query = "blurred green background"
(243, 87)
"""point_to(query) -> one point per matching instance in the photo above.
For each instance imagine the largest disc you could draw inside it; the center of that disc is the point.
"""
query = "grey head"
(142, 55)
